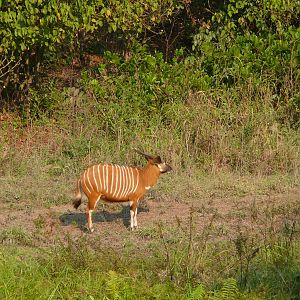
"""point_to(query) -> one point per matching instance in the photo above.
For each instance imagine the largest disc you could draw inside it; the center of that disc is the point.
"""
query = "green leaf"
(114, 26)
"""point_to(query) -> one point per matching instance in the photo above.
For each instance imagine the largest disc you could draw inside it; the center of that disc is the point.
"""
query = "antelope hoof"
(133, 228)
(91, 230)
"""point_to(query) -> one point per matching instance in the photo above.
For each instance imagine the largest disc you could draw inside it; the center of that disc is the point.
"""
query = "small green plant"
(39, 222)
(118, 286)
(246, 250)
(15, 236)
(147, 232)
(197, 293)
(228, 291)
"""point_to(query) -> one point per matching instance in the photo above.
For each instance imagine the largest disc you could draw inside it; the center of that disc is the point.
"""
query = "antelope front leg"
(88, 213)
(133, 215)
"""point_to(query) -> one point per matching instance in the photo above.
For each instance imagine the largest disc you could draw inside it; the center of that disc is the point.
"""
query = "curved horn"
(147, 156)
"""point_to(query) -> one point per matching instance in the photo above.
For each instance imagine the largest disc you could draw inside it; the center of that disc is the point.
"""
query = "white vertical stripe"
(132, 181)
(103, 177)
(107, 182)
(95, 179)
(112, 179)
(128, 181)
(119, 187)
(125, 182)
(90, 170)
(137, 179)
(84, 181)
(88, 178)
(97, 201)
(120, 182)
(99, 176)
(116, 184)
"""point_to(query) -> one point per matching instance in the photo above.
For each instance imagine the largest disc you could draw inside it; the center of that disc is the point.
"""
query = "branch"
(5, 63)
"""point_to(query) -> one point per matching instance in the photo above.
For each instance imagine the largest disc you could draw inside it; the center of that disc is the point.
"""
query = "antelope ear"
(157, 160)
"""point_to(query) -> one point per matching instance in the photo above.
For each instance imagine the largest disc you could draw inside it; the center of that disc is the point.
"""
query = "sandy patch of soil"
(111, 221)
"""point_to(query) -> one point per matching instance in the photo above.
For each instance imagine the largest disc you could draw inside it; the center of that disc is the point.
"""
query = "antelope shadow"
(79, 217)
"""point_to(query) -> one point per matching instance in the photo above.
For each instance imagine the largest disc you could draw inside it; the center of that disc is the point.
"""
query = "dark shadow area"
(79, 218)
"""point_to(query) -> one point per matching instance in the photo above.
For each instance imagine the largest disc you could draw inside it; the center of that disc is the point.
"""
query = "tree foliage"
(34, 30)
(233, 40)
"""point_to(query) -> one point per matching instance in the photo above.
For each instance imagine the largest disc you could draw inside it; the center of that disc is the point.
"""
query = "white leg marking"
(91, 228)
(131, 215)
(131, 219)
(135, 218)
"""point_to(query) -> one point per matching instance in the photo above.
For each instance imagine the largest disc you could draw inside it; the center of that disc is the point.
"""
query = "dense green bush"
(33, 32)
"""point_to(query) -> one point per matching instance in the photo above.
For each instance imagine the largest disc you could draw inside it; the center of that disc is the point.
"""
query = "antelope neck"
(150, 175)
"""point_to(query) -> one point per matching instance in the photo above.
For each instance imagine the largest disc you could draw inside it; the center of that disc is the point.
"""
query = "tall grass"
(236, 129)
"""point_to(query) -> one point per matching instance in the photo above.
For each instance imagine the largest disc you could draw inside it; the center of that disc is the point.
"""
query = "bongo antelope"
(114, 183)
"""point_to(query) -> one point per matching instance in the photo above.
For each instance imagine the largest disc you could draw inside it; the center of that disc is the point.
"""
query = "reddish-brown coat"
(114, 183)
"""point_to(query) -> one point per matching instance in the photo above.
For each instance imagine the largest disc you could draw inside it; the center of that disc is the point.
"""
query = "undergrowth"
(195, 263)
(171, 108)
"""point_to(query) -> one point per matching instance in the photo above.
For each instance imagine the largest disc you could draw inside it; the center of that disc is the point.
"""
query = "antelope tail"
(78, 197)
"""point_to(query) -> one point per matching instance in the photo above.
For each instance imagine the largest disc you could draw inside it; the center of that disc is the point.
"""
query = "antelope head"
(156, 160)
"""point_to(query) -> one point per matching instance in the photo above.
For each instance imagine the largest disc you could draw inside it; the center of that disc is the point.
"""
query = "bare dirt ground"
(111, 221)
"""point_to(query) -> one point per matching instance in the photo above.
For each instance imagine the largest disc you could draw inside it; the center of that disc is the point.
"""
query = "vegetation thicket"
(228, 97)
(211, 86)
